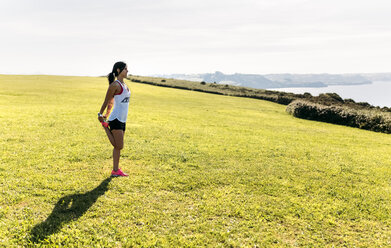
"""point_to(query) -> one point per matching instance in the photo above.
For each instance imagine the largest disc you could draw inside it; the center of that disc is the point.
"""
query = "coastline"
(374, 93)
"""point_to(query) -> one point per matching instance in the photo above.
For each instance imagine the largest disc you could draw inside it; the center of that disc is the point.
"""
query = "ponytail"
(119, 65)
(111, 77)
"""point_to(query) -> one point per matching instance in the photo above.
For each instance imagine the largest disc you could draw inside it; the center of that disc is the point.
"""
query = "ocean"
(377, 94)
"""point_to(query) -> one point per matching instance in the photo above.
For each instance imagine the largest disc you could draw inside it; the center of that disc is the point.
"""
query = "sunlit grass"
(205, 170)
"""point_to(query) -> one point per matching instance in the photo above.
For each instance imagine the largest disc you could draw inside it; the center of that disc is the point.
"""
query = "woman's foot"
(118, 173)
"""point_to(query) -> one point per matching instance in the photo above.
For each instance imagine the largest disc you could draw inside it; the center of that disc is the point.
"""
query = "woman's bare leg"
(109, 135)
(118, 136)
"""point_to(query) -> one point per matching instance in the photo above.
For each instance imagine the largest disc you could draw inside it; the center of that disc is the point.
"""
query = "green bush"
(328, 99)
(365, 119)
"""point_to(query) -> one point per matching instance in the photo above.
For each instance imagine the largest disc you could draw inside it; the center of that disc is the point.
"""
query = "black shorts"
(116, 124)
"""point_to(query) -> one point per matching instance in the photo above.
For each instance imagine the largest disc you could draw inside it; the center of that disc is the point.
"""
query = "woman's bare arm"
(109, 107)
(113, 88)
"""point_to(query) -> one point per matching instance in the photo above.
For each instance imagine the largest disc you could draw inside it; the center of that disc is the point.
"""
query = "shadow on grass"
(68, 208)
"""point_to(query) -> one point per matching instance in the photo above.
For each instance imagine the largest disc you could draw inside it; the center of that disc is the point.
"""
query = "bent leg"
(110, 135)
(119, 144)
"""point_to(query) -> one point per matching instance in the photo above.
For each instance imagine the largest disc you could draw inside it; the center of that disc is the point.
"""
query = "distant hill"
(377, 76)
(269, 81)
(327, 79)
(247, 80)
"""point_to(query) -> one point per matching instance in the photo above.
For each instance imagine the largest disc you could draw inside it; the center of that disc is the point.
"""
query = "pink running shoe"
(118, 173)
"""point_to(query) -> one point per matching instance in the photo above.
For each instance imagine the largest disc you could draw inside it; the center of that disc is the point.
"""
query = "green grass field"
(205, 170)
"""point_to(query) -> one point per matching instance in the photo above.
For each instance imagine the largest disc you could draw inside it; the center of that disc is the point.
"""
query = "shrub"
(364, 104)
(203, 83)
(163, 80)
(385, 109)
(328, 99)
(366, 119)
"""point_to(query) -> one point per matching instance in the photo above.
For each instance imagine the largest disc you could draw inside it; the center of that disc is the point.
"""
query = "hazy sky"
(86, 37)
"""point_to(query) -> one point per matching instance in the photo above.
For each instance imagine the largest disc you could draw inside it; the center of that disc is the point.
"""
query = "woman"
(118, 94)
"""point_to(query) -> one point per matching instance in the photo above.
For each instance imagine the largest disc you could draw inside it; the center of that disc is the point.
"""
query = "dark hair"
(119, 65)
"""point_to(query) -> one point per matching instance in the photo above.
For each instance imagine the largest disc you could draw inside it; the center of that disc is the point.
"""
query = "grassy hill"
(205, 170)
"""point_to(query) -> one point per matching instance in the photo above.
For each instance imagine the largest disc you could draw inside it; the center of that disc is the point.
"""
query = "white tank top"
(121, 104)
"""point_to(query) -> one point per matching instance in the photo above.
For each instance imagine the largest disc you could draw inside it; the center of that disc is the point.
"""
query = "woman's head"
(118, 69)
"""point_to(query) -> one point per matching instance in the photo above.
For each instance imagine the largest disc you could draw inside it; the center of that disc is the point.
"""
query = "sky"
(86, 37)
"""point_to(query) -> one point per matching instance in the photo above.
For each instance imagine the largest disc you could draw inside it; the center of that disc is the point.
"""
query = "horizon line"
(159, 75)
